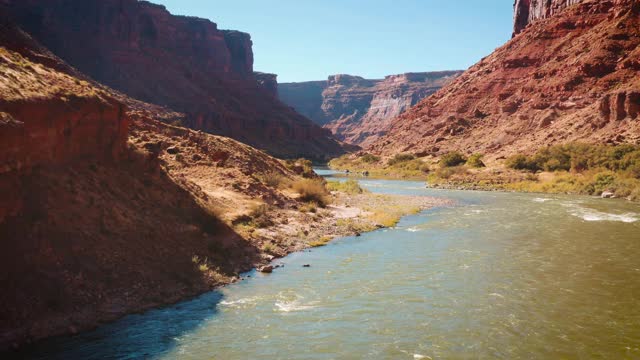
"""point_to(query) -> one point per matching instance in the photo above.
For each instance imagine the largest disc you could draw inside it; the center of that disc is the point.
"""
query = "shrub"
(452, 159)
(369, 159)
(350, 186)
(400, 158)
(260, 217)
(312, 190)
(475, 161)
(521, 162)
(309, 207)
(448, 172)
(271, 179)
(302, 167)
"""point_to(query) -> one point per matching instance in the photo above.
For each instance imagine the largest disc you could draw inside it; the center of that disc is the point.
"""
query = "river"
(496, 276)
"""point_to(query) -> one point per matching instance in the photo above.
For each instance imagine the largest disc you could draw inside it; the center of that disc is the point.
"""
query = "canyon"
(183, 63)
(357, 110)
(572, 76)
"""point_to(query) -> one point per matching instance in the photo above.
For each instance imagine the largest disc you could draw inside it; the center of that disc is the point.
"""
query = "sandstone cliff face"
(184, 63)
(358, 110)
(570, 77)
(48, 117)
(528, 11)
(268, 82)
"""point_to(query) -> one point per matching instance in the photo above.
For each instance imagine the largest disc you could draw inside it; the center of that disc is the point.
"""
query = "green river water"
(496, 276)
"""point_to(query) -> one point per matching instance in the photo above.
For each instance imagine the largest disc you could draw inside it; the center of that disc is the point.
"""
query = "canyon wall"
(572, 77)
(359, 110)
(528, 11)
(184, 63)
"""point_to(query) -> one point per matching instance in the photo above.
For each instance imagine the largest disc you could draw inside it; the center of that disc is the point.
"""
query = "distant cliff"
(184, 63)
(359, 110)
(528, 11)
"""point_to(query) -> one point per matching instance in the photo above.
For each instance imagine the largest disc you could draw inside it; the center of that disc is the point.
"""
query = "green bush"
(400, 158)
(452, 159)
(579, 157)
(350, 186)
(369, 159)
(475, 161)
(520, 162)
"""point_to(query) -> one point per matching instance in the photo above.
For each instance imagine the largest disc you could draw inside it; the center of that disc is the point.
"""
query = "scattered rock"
(608, 195)
(306, 265)
(173, 150)
(266, 269)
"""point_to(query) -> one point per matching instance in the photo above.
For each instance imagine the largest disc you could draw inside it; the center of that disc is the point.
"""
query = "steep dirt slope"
(571, 77)
(105, 211)
(184, 63)
(359, 110)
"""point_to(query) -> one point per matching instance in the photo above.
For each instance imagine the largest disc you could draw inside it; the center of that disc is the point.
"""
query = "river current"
(495, 276)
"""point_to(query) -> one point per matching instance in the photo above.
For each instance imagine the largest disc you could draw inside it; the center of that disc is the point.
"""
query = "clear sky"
(303, 40)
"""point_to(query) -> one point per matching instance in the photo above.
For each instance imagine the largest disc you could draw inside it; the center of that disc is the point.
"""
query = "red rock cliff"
(570, 77)
(48, 117)
(184, 63)
(359, 110)
(528, 11)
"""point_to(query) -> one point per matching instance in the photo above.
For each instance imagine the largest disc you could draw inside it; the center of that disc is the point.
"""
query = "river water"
(496, 276)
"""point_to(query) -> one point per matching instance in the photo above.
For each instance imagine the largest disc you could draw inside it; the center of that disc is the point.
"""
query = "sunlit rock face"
(184, 63)
(358, 110)
(528, 11)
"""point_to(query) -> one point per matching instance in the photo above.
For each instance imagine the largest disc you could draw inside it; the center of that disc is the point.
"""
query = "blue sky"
(310, 39)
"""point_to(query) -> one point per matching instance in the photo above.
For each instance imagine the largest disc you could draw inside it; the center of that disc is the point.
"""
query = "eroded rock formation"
(570, 77)
(528, 11)
(184, 63)
(359, 110)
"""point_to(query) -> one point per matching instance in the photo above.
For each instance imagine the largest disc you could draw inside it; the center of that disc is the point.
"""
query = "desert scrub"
(349, 187)
(475, 161)
(452, 159)
(321, 242)
(260, 216)
(309, 207)
(369, 159)
(578, 157)
(302, 167)
(312, 190)
(448, 172)
(271, 179)
(355, 225)
(268, 248)
(400, 158)
(391, 215)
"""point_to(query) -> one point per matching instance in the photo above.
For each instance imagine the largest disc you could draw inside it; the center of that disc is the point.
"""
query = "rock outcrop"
(268, 82)
(359, 110)
(184, 63)
(570, 77)
(528, 11)
(47, 116)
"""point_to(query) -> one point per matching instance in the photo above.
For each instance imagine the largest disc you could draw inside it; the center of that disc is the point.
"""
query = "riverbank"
(611, 171)
(256, 221)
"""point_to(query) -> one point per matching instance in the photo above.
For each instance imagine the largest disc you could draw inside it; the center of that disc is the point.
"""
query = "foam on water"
(284, 306)
(541, 200)
(239, 302)
(595, 215)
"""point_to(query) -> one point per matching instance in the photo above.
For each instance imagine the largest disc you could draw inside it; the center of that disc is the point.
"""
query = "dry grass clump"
(272, 179)
(349, 187)
(312, 190)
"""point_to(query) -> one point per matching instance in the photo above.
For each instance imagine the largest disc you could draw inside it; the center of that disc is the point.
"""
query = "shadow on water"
(139, 336)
